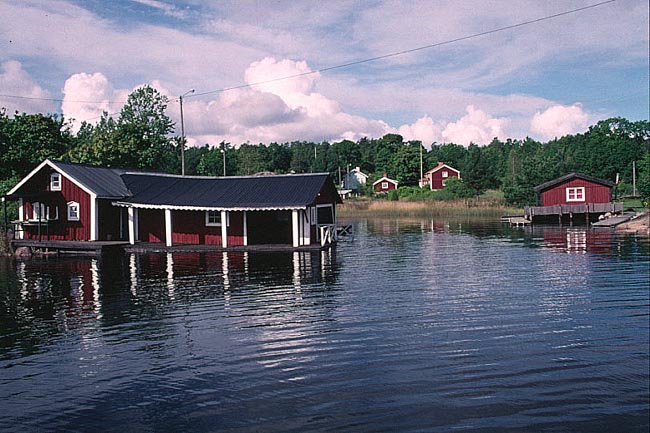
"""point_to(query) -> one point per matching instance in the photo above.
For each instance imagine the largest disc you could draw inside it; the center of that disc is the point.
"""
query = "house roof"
(439, 166)
(384, 178)
(357, 170)
(570, 176)
(233, 193)
(158, 190)
(101, 181)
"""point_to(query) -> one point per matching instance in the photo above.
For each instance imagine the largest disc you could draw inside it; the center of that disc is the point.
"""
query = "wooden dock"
(515, 220)
(70, 247)
(531, 212)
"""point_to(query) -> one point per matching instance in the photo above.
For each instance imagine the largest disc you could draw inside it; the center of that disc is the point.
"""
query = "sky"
(439, 71)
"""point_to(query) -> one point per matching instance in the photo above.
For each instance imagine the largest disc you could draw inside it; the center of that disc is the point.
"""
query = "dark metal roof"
(246, 192)
(570, 176)
(105, 182)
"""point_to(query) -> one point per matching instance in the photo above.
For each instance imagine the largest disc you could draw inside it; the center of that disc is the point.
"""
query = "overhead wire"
(355, 62)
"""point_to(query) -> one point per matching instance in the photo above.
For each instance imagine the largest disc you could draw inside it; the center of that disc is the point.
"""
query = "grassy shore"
(485, 207)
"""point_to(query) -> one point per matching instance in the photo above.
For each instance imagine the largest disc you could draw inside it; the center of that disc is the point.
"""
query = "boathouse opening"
(269, 227)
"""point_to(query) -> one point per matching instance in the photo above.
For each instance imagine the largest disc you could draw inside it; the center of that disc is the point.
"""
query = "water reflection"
(63, 293)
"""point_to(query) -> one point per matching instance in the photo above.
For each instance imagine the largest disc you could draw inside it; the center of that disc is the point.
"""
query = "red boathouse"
(76, 202)
(574, 194)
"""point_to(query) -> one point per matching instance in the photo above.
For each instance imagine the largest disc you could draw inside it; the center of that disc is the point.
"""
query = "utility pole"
(634, 178)
(180, 101)
(421, 169)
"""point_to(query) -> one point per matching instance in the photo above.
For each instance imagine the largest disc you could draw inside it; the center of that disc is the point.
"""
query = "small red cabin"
(575, 188)
(438, 175)
(384, 184)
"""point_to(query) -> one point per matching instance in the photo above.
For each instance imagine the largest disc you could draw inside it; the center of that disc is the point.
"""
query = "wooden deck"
(515, 220)
(102, 247)
(150, 247)
(67, 247)
(531, 212)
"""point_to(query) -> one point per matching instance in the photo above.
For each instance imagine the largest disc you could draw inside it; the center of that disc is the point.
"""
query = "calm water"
(425, 326)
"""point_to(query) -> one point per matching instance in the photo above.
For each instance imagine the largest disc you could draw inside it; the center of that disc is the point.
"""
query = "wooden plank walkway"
(613, 221)
(77, 247)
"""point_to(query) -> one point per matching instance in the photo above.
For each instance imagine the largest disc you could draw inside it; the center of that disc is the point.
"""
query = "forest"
(143, 137)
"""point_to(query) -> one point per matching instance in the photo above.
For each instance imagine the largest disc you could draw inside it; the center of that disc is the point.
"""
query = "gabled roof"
(570, 176)
(227, 193)
(439, 166)
(159, 190)
(357, 170)
(384, 178)
(100, 181)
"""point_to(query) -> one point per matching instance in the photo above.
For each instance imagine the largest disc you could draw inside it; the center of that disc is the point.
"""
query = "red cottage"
(60, 201)
(438, 175)
(384, 184)
(574, 194)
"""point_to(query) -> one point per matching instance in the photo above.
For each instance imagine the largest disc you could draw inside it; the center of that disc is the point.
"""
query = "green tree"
(405, 165)
(643, 183)
(144, 130)
(28, 139)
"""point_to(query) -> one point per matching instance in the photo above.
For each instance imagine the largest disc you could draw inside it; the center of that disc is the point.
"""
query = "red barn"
(384, 184)
(60, 201)
(438, 175)
(575, 188)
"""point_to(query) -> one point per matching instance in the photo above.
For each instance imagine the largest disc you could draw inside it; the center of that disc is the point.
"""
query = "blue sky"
(545, 79)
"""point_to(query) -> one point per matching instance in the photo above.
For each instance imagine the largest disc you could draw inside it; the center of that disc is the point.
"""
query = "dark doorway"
(269, 227)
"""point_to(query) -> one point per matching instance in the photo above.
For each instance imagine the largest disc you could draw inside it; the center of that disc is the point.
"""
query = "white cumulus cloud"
(476, 127)
(424, 129)
(29, 96)
(560, 120)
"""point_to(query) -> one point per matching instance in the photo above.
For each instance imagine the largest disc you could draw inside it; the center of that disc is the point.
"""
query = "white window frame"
(445, 174)
(55, 181)
(76, 215)
(208, 223)
(384, 185)
(574, 191)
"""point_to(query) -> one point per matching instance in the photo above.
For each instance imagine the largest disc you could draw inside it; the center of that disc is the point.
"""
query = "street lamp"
(180, 100)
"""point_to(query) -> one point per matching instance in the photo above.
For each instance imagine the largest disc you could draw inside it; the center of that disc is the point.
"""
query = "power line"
(411, 50)
(356, 62)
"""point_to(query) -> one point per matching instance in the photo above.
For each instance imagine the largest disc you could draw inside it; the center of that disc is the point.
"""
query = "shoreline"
(461, 207)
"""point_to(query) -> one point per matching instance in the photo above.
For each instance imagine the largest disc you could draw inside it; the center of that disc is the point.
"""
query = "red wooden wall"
(61, 229)
(437, 179)
(594, 193)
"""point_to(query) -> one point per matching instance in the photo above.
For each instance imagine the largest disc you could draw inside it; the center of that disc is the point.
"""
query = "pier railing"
(327, 234)
(572, 209)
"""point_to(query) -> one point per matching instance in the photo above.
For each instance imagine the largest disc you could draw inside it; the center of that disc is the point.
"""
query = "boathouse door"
(269, 227)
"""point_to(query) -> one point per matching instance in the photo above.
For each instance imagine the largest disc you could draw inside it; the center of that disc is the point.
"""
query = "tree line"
(141, 137)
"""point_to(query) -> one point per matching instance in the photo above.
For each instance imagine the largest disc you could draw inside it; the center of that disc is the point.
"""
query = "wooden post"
(131, 221)
(295, 228)
(224, 229)
(168, 227)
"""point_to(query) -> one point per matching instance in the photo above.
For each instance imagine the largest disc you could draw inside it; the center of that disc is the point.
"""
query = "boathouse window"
(73, 211)
(55, 182)
(445, 174)
(384, 185)
(212, 218)
(575, 194)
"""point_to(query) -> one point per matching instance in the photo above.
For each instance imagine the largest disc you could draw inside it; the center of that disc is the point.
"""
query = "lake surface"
(412, 325)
